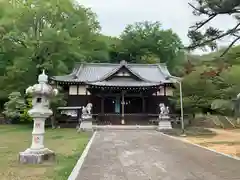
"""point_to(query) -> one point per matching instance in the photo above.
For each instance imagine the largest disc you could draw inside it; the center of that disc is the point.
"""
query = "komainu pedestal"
(86, 119)
(86, 125)
(40, 111)
(164, 123)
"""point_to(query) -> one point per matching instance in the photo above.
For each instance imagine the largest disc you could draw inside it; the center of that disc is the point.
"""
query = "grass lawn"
(67, 144)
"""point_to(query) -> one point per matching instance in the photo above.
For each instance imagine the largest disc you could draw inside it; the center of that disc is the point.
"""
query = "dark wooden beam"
(102, 104)
(164, 89)
(119, 95)
(143, 105)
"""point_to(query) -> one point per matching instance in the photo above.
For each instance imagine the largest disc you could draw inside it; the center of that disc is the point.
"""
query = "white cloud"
(114, 15)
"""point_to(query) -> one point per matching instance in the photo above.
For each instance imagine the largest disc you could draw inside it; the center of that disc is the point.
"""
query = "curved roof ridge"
(73, 71)
(155, 64)
(92, 63)
(165, 69)
(160, 70)
(166, 74)
(79, 71)
(120, 65)
(117, 64)
(72, 74)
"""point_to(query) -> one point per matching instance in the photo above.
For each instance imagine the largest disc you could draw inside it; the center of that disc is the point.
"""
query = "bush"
(14, 107)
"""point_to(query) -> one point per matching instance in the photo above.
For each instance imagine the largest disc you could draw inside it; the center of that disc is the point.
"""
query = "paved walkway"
(148, 155)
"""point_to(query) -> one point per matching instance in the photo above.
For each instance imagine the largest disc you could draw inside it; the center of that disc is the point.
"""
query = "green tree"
(212, 9)
(49, 34)
(114, 48)
(228, 87)
(198, 91)
(147, 42)
(233, 56)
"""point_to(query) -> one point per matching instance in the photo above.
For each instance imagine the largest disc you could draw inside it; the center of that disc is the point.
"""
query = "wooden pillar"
(123, 104)
(86, 94)
(164, 88)
(143, 105)
(102, 104)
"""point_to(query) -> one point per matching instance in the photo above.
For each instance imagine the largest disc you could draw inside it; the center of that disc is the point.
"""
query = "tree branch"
(229, 47)
(199, 10)
(16, 40)
(201, 24)
(215, 11)
(235, 35)
(231, 31)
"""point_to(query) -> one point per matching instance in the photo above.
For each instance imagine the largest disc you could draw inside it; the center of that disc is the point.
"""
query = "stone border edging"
(187, 141)
(77, 167)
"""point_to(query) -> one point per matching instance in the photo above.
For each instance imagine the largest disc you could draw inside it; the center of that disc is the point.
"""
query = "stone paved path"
(148, 155)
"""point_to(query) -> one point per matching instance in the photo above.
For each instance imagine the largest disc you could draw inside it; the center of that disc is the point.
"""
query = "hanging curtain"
(117, 105)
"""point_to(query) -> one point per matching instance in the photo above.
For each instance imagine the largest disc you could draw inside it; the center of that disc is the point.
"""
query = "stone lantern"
(41, 94)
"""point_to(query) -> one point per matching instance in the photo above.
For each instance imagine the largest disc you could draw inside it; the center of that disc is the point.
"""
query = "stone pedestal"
(86, 125)
(164, 123)
(37, 153)
(36, 157)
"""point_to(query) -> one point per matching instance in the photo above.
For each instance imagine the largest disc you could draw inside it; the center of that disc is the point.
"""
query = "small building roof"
(98, 73)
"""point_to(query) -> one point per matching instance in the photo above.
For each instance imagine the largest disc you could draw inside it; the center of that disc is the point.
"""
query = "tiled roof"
(96, 73)
(123, 83)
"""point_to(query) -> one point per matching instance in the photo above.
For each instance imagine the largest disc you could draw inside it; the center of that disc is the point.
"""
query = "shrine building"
(121, 93)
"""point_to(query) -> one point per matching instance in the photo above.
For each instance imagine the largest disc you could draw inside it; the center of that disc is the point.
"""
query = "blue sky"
(114, 15)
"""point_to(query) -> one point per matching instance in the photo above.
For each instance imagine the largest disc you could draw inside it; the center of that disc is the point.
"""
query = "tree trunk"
(52, 122)
(53, 118)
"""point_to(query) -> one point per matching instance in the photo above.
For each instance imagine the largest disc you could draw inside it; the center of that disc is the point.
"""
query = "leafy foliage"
(15, 106)
(45, 34)
(55, 34)
(212, 9)
(212, 84)
(198, 91)
(25, 116)
(146, 42)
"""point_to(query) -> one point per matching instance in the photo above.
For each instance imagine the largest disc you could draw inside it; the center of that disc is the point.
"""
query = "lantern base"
(36, 156)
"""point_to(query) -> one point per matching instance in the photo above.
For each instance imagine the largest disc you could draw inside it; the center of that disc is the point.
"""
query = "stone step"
(124, 127)
(164, 125)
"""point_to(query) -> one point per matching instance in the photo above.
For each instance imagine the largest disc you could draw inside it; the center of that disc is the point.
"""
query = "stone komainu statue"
(164, 110)
(86, 111)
